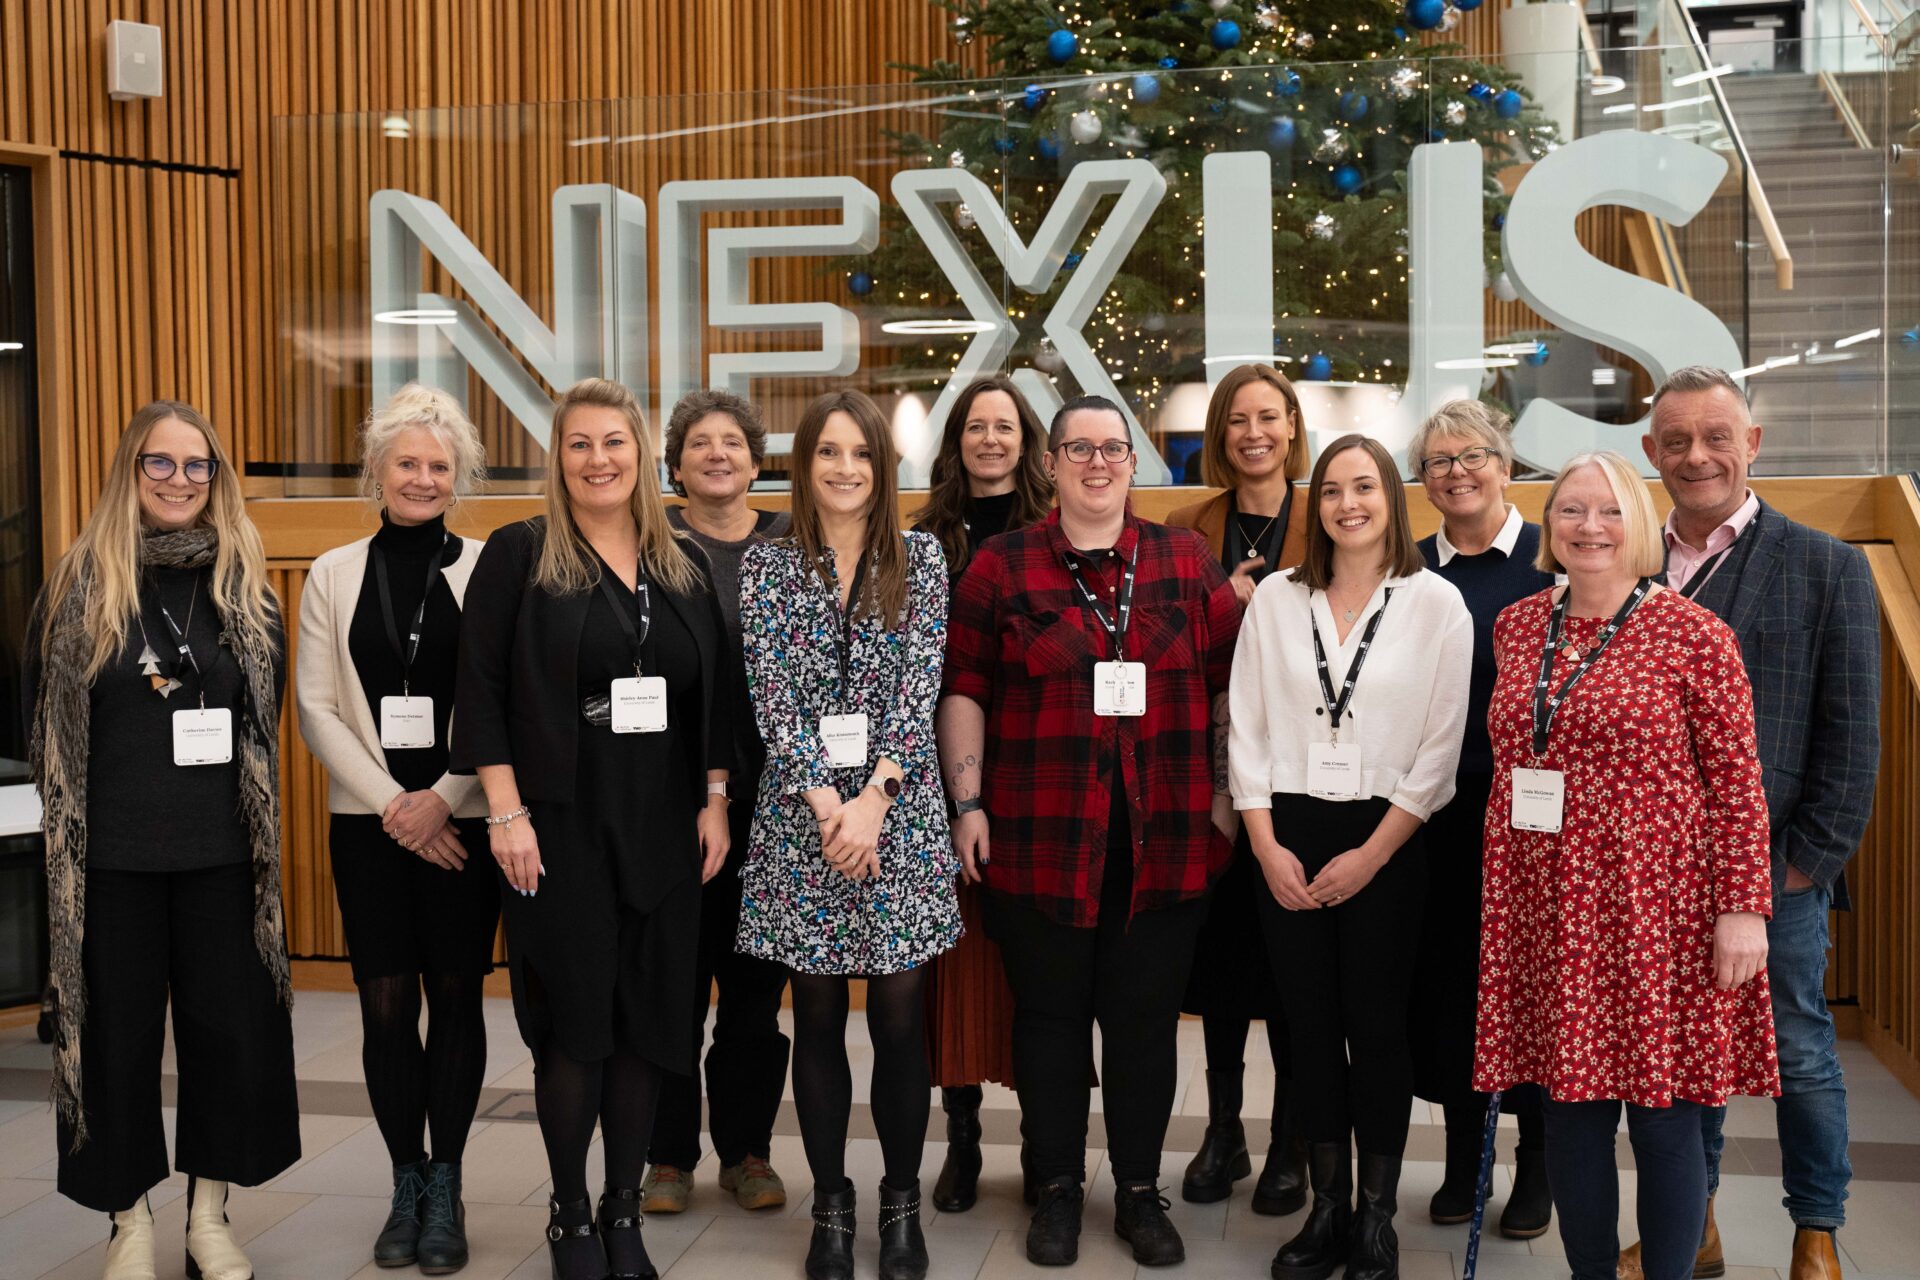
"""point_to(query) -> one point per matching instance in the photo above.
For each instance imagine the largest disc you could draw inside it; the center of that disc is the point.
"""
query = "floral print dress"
(794, 908)
(1596, 951)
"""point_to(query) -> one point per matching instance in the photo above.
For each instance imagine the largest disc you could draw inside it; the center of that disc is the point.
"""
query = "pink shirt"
(1683, 560)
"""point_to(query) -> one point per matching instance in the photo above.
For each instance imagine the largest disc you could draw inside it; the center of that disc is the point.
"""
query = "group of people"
(1537, 817)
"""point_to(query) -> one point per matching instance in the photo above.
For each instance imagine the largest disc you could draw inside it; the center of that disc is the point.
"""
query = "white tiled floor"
(317, 1221)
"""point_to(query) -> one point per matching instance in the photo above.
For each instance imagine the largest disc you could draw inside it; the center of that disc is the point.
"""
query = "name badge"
(1333, 770)
(639, 704)
(406, 722)
(1119, 688)
(1539, 798)
(846, 739)
(203, 735)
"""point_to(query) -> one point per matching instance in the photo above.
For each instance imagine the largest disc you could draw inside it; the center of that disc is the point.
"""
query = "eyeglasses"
(158, 466)
(1471, 460)
(1081, 451)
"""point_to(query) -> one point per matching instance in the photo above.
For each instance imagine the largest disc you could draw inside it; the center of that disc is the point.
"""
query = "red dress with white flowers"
(1596, 952)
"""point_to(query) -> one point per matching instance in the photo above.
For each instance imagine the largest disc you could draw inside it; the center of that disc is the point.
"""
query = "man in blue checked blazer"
(1803, 606)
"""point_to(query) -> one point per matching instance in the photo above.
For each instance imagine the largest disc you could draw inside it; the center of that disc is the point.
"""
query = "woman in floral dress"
(1626, 882)
(850, 871)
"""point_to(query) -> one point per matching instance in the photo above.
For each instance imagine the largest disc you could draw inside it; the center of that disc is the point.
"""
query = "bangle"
(506, 819)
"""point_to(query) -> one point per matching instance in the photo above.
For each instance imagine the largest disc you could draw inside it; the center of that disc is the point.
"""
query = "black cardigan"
(516, 701)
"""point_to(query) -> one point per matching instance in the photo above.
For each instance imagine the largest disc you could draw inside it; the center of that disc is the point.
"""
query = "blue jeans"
(1585, 1178)
(1812, 1107)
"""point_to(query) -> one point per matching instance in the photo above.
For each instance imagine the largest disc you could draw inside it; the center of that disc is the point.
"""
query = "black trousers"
(747, 1065)
(1130, 977)
(188, 936)
(1344, 972)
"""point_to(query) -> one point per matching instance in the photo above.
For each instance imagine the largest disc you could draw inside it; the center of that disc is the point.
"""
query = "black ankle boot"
(1282, 1188)
(830, 1252)
(1321, 1243)
(958, 1185)
(903, 1249)
(1453, 1202)
(1375, 1252)
(1140, 1218)
(1053, 1237)
(620, 1222)
(1529, 1210)
(399, 1240)
(573, 1243)
(1222, 1157)
(443, 1230)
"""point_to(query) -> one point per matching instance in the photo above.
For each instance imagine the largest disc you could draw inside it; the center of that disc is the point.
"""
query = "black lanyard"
(1544, 705)
(1123, 602)
(843, 638)
(643, 601)
(412, 650)
(1709, 568)
(1337, 709)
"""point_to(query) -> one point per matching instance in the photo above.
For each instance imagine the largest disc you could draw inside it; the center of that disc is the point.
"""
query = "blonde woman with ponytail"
(155, 666)
(594, 701)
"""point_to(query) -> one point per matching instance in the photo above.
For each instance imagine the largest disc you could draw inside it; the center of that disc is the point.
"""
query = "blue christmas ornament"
(1281, 133)
(1317, 368)
(1287, 83)
(1218, 106)
(1480, 92)
(1400, 33)
(1353, 107)
(1225, 34)
(1911, 338)
(1062, 44)
(860, 284)
(1425, 15)
(1071, 261)
(1436, 135)
(1048, 146)
(1146, 88)
(1347, 179)
(1537, 356)
(1169, 63)
(1033, 97)
(1004, 145)
(1499, 221)
(1466, 6)
(1508, 104)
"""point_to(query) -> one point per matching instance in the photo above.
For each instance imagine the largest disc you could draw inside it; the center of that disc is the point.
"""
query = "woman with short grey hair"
(379, 643)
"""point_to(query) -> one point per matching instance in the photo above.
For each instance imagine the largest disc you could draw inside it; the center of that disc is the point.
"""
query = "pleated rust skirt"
(969, 1008)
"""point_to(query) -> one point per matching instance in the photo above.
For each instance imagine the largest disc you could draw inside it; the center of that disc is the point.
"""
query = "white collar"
(1502, 541)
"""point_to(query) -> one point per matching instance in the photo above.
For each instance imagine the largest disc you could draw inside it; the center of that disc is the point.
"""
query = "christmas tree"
(1337, 92)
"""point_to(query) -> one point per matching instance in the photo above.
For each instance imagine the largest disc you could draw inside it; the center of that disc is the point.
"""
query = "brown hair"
(694, 407)
(1402, 556)
(1216, 468)
(945, 513)
(885, 596)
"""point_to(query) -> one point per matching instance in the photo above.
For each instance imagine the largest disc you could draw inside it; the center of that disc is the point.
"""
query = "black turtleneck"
(408, 549)
(987, 517)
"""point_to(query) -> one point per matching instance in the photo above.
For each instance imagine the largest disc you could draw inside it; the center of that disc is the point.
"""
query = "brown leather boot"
(1814, 1255)
(1709, 1262)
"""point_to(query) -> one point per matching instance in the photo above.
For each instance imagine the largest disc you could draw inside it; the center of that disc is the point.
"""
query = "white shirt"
(1409, 708)
(1502, 541)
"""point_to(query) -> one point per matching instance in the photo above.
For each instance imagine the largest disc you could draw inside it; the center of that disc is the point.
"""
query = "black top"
(725, 557)
(409, 549)
(1248, 535)
(988, 516)
(144, 812)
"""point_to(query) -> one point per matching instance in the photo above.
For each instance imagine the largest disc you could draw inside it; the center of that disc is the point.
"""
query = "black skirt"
(1446, 980)
(1232, 976)
(405, 915)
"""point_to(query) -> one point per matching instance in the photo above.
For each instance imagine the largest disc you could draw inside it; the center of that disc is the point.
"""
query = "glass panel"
(19, 457)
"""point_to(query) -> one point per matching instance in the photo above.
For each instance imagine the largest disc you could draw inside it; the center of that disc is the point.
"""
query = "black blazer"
(517, 700)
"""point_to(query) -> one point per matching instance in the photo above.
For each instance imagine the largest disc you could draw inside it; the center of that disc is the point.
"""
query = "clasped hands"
(850, 830)
(1345, 875)
(419, 822)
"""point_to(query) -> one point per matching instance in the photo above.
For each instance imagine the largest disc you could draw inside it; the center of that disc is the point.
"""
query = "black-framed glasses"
(1082, 451)
(158, 466)
(1471, 460)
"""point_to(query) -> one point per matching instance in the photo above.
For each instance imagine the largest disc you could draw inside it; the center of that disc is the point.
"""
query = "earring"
(379, 491)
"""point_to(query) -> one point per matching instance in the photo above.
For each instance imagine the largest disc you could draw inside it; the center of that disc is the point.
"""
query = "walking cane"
(1483, 1187)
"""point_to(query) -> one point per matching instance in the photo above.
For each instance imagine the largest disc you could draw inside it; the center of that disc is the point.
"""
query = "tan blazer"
(1209, 520)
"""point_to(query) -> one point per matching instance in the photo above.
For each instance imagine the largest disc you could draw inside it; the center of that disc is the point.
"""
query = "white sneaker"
(130, 1247)
(211, 1252)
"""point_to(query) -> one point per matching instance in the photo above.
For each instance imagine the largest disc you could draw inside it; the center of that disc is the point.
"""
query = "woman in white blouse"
(1349, 700)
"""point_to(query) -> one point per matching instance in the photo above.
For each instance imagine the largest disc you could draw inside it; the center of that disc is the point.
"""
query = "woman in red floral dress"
(1626, 884)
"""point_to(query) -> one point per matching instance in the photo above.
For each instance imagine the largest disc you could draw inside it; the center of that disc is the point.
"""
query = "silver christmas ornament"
(1267, 15)
(1403, 83)
(963, 217)
(1322, 227)
(1219, 6)
(956, 159)
(962, 29)
(1454, 113)
(1449, 18)
(1503, 288)
(1047, 358)
(1084, 126)
(1303, 40)
(1331, 147)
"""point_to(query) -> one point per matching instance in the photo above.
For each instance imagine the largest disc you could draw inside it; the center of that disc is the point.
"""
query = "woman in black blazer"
(592, 701)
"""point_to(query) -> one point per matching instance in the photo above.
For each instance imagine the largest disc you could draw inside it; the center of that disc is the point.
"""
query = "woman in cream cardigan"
(379, 644)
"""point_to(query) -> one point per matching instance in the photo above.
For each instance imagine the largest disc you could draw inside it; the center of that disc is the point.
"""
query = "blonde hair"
(1216, 467)
(415, 405)
(1465, 420)
(1641, 546)
(567, 564)
(104, 561)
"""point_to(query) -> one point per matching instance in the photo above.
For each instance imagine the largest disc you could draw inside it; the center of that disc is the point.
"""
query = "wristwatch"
(972, 804)
(889, 787)
(719, 789)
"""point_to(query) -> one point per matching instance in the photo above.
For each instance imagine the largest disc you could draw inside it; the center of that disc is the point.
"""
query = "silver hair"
(416, 405)
(1470, 420)
(1700, 377)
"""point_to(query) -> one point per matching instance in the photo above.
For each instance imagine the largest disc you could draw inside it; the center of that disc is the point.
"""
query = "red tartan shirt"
(1022, 644)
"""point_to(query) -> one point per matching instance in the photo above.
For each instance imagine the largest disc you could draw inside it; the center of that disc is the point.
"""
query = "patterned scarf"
(58, 754)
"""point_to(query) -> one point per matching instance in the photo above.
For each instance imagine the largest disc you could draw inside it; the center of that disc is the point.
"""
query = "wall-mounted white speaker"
(133, 61)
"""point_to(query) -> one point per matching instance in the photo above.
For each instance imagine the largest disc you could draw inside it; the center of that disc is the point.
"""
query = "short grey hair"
(1700, 377)
(1469, 420)
(417, 405)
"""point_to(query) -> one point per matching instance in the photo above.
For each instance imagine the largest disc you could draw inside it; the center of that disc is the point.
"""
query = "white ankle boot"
(130, 1249)
(211, 1252)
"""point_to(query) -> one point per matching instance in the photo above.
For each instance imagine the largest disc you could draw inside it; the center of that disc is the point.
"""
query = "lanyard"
(1704, 571)
(412, 650)
(843, 638)
(636, 637)
(1123, 602)
(1544, 705)
(184, 658)
(1337, 709)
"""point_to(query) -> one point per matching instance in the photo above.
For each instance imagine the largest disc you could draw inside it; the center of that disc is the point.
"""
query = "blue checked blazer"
(1808, 620)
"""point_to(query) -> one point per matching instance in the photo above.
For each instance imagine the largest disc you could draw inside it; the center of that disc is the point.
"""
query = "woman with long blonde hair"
(155, 665)
(594, 702)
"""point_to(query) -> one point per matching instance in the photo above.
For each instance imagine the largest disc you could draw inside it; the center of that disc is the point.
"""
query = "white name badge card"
(203, 735)
(406, 722)
(1539, 798)
(846, 739)
(1119, 688)
(639, 704)
(1333, 770)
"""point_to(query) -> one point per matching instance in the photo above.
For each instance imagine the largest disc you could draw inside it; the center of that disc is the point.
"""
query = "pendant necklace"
(1253, 541)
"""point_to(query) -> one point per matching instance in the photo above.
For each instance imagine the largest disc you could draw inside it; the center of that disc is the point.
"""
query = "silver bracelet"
(506, 819)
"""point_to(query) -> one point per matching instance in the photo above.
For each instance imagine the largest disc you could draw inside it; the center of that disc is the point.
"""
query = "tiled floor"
(317, 1221)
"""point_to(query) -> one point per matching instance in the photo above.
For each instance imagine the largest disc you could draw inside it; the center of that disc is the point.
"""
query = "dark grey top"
(725, 558)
